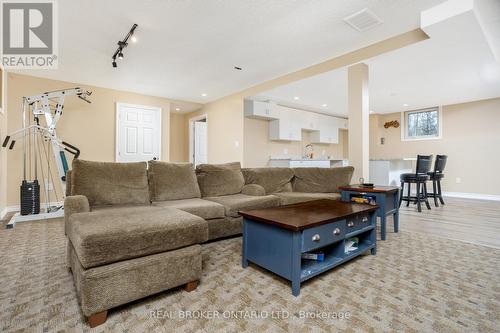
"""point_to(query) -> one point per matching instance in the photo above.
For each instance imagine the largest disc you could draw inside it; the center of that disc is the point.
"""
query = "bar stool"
(435, 177)
(420, 178)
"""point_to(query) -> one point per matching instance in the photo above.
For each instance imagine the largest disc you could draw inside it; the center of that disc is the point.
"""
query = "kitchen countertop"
(295, 158)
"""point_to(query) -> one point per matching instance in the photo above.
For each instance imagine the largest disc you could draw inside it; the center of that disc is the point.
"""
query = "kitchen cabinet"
(310, 121)
(261, 110)
(328, 130)
(287, 127)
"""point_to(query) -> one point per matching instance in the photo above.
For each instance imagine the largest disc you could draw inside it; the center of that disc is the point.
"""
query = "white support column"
(359, 121)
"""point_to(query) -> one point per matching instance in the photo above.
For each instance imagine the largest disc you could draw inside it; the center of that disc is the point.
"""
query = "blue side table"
(386, 197)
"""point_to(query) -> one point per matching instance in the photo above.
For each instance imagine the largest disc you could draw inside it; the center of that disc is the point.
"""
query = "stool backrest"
(440, 163)
(424, 163)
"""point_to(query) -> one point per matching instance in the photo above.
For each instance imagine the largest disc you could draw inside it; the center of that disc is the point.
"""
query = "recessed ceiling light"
(405, 104)
(204, 94)
(324, 105)
(177, 109)
(296, 98)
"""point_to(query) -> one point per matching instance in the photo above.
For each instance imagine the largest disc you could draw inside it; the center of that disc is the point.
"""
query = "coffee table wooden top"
(374, 189)
(309, 214)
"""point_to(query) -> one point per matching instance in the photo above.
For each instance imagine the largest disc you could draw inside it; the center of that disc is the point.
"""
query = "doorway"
(138, 133)
(198, 140)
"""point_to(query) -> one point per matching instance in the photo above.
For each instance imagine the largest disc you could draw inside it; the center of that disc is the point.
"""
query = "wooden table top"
(374, 189)
(309, 214)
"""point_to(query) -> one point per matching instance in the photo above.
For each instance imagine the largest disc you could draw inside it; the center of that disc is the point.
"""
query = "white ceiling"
(455, 65)
(187, 48)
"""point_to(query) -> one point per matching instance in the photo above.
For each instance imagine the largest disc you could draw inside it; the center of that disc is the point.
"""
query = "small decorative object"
(362, 183)
(309, 151)
(393, 123)
(382, 141)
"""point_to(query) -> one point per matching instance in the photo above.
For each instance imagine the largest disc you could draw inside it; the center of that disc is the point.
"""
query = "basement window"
(422, 124)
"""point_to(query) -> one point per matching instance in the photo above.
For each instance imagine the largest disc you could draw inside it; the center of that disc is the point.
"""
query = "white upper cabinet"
(343, 123)
(287, 123)
(287, 127)
(328, 130)
(261, 110)
(310, 121)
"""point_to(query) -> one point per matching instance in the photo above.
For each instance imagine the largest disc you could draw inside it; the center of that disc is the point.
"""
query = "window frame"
(404, 123)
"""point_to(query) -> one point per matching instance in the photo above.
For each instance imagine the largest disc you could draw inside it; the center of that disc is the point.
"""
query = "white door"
(200, 142)
(138, 133)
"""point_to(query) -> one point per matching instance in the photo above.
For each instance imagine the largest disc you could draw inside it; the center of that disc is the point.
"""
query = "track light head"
(122, 44)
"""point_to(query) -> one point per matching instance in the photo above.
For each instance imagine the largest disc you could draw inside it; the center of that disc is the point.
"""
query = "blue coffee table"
(276, 238)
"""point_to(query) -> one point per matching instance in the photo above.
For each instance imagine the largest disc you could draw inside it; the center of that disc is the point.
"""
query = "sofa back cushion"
(220, 179)
(172, 181)
(321, 180)
(273, 180)
(107, 183)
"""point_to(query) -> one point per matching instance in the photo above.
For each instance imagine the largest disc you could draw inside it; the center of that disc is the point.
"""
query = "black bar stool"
(435, 177)
(420, 177)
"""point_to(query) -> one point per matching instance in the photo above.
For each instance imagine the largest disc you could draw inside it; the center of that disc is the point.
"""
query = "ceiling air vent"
(363, 20)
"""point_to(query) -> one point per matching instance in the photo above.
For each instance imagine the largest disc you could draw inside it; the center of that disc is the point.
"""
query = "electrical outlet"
(458, 180)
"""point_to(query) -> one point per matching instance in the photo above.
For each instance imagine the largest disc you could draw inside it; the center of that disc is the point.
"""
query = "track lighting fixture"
(123, 44)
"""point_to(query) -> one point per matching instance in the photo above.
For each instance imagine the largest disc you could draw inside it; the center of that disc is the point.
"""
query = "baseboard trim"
(475, 196)
(15, 209)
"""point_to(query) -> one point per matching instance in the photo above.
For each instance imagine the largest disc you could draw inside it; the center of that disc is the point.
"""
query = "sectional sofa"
(135, 229)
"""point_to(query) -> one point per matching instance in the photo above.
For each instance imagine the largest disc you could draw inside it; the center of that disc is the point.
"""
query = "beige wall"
(225, 116)
(178, 138)
(471, 139)
(224, 127)
(258, 147)
(3, 154)
(90, 127)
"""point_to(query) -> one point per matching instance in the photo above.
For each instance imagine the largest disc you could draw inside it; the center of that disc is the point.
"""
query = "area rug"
(415, 283)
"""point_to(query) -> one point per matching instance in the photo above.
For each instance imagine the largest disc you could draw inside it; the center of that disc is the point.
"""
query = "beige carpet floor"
(413, 284)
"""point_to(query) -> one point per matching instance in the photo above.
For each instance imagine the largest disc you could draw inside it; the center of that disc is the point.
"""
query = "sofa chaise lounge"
(135, 229)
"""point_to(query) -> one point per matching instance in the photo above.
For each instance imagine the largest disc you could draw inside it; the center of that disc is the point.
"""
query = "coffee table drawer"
(316, 237)
(357, 222)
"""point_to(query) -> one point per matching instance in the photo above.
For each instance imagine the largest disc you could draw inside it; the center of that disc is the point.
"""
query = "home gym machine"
(43, 152)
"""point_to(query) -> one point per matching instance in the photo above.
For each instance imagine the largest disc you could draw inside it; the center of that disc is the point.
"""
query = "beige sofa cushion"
(107, 183)
(220, 179)
(288, 198)
(321, 180)
(199, 207)
(236, 202)
(273, 180)
(172, 181)
(111, 235)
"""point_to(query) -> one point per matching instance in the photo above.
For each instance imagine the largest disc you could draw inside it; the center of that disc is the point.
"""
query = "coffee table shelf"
(276, 238)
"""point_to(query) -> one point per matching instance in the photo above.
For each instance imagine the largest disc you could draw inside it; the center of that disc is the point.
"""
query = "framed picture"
(2, 89)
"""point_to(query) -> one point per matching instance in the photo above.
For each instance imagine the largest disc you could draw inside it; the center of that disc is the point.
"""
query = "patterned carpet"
(413, 284)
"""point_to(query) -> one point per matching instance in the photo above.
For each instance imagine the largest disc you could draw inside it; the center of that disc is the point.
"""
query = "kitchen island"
(300, 162)
(386, 172)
